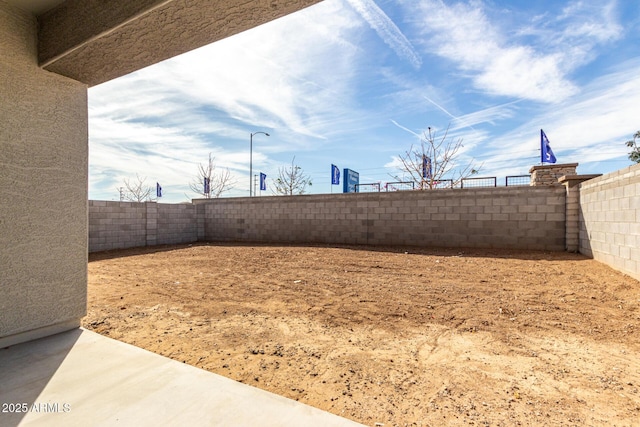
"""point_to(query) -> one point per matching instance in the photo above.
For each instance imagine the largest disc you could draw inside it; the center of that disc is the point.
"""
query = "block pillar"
(200, 215)
(152, 223)
(572, 209)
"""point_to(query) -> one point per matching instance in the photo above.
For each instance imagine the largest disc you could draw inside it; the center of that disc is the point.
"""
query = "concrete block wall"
(120, 225)
(610, 219)
(503, 217)
(176, 224)
(572, 210)
(117, 225)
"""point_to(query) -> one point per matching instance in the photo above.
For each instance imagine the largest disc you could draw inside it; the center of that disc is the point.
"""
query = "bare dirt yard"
(393, 336)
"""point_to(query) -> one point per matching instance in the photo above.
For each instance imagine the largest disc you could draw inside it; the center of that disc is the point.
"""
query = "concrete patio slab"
(80, 378)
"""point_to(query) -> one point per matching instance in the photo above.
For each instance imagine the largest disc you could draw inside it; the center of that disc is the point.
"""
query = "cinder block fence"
(598, 216)
(503, 217)
(119, 225)
(516, 217)
(609, 209)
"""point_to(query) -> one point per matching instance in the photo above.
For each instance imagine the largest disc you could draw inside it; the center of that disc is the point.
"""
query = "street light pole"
(251, 161)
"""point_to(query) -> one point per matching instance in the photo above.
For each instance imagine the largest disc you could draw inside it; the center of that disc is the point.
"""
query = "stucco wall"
(503, 217)
(610, 219)
(43, 156)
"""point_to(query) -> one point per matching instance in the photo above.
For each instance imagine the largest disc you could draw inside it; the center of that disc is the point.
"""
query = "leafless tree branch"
(137, 191)
(220, 181)
(291, 180)
(442, 153)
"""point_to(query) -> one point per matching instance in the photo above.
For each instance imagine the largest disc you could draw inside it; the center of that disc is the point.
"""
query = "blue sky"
(356, 82)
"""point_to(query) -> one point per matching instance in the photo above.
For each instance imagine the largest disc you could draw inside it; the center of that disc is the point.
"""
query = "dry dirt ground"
(392, 336)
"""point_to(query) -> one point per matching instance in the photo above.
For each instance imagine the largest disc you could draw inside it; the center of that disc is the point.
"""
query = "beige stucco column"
(43, 189)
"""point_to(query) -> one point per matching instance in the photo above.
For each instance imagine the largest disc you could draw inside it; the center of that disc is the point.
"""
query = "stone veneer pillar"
(550, 174)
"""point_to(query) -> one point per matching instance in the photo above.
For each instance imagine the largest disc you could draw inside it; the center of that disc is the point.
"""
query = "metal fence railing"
(478, 182)
(400, 186)
(368, 188)
(516, 180)
(442, 183)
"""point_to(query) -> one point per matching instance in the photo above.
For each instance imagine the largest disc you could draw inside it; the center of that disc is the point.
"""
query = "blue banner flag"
(335, 175)
(546, 155)
(426, 167)
(158, 190)
(263, 181)
(207, 185)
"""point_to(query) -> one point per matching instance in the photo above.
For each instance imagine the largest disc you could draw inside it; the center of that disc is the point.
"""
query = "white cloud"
(587, 128)
(209, 100)
(499, 63)
(326, 98)
(521, 73)
(262, 77)
(589, 22)
(595, 126)
(266, 77)
(576, 31)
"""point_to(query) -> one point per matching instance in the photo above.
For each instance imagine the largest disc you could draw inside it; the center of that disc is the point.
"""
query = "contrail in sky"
(445, 111)
(387, 30)
(406, 129)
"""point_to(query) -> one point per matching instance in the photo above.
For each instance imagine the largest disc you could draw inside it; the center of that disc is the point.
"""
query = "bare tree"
(634, 155)
(291, 180)
(434, 160)
(218, 181)
(137, 191)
